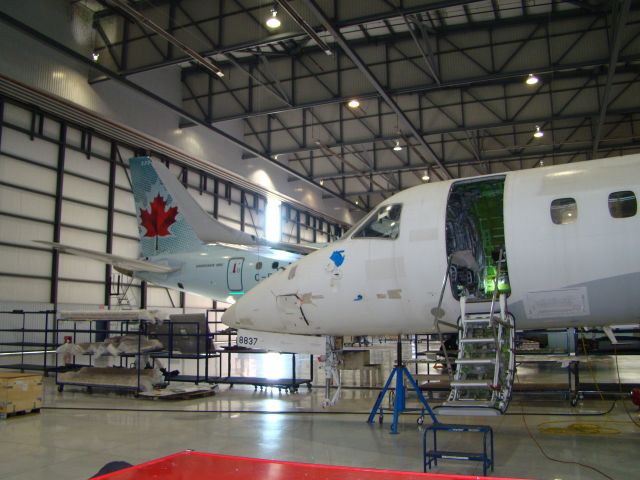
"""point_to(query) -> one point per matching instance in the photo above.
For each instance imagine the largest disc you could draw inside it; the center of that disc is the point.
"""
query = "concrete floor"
(77, 433)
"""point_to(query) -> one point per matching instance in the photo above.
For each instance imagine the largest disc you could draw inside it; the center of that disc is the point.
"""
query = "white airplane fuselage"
(582, 270)
(217, 271)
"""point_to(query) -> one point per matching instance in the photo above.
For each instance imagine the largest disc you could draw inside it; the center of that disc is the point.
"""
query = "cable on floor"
(568, 414)
(593, 376)
(635, 422)
(615, 356)
(568, 462)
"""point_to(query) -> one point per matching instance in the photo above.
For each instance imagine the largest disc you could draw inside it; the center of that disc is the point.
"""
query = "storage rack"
(126, 327)
(220, 343)
(203, 339)
(28, 348)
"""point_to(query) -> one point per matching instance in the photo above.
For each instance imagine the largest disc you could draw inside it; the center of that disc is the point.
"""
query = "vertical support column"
(55, 262)
(242, 208)
(216, 189)
(143, 295)
(124, 53)
(110, 207)
(1, 118)
(102, 327)
(210, 99)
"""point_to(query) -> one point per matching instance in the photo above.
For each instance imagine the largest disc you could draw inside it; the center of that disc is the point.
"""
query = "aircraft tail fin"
(169, 219)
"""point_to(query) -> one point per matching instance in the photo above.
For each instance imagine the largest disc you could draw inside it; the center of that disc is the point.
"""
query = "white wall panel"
(24, 203)
(205, 201)
(83, 216)
(51, 128)
(26, 289)
(82, 239)
(158, 297)
(17, 116)
(24, 262)
(77, 162)
(16, 230)
(19, 144)
(26, 174)
(99, 146)
(122, 180)
(196, 301)
(75, 267)
(74, 137)
(125, 224)
(85, 190)
(228, 211)
(74, 292)
(126, 248)
(124, 201)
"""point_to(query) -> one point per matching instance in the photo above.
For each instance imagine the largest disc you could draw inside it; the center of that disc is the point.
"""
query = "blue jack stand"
(399, 402)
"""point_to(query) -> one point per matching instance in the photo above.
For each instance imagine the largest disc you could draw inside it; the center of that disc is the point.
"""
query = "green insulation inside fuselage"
(475, 222)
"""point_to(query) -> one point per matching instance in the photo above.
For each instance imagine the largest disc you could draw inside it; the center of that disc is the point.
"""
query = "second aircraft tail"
(169, 219)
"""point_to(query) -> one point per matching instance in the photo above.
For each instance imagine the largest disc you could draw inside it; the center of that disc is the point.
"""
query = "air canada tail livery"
(548, 247)
(183, 247)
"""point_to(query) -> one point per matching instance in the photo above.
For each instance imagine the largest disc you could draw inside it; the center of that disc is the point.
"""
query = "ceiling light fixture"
(354, 103)
(397, 147)
(321, 182)
(425, 177)
(273, 21)
(538, 133)
(532, 79)
(95, 56)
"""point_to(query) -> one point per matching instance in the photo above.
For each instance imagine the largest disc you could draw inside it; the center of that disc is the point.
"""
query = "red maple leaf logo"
(157, 220)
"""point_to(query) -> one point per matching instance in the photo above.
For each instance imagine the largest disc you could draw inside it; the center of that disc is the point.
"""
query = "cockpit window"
(385, 223)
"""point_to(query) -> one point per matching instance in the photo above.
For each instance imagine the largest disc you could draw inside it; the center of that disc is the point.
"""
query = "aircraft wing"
(121, 263)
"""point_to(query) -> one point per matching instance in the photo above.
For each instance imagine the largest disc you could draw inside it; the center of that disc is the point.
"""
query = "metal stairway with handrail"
(485, 365)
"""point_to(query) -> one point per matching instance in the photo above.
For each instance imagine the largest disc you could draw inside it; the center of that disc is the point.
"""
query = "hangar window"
(622, 204)
(564, 211)
(385, 223)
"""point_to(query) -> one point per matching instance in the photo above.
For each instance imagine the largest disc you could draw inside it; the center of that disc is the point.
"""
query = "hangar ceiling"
(442, 80)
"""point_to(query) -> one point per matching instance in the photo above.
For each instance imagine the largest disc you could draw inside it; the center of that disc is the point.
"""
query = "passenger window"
(275, 265)
(564, 211)
(258, 265)
(385, 223)
(622, 204)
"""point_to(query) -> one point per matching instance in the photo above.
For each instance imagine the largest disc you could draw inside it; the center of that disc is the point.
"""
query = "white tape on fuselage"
(281, 342)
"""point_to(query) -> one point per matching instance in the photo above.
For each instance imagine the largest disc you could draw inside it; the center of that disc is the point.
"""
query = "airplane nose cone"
(230, 316)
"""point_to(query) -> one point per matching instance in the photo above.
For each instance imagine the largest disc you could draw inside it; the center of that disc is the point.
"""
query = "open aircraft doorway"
(475, 238)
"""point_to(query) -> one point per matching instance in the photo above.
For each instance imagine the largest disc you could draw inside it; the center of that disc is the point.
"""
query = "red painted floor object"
(208, 466)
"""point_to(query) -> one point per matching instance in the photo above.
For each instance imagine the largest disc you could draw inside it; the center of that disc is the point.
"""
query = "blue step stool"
(432, 454)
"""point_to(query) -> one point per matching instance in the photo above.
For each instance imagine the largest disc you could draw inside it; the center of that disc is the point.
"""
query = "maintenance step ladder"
(485, 367)
(432, 450)
(122, 291)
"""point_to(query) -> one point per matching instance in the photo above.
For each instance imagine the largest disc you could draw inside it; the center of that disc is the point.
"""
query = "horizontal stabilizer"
(121, 263)
(151, 316)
